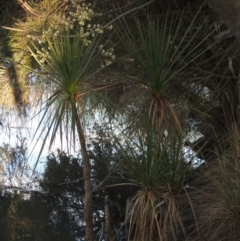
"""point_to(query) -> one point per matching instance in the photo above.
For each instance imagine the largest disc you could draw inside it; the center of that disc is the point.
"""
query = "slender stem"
(88, 201)
(109, 230)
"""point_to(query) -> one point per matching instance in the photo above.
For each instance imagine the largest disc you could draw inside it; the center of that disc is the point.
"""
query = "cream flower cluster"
(76, 17)
(108, 55)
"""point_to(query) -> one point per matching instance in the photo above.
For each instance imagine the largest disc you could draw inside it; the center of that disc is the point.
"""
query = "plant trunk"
(88, 201)
(110, 235)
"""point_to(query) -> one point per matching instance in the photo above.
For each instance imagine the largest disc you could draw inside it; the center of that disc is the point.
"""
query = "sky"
(14, 130)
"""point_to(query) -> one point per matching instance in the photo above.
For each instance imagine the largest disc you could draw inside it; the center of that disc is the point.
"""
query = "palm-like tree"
(163, 51)
(69, 64)
(155, 163)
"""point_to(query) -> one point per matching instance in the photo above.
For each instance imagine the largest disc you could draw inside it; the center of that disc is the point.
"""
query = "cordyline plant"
(155, 163)
(162, 52)
(69, 65)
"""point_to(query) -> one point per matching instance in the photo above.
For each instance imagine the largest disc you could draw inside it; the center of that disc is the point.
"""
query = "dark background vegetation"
(54, 210)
